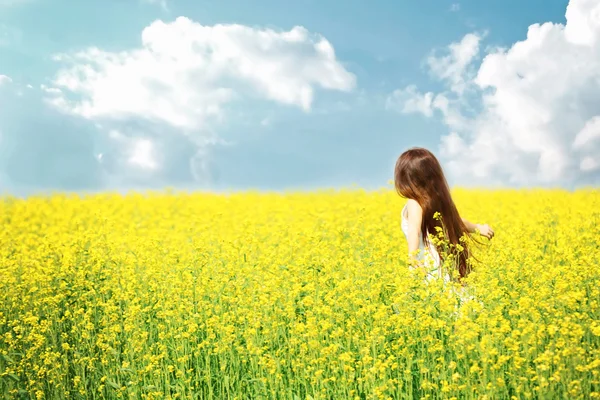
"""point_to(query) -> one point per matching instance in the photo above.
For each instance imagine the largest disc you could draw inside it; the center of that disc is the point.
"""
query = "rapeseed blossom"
(297, 295)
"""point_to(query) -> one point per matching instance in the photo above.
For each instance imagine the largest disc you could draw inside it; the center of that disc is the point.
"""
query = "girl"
(419, 177)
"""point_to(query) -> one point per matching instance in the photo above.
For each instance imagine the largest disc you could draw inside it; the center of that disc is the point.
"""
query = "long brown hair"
(418, 175)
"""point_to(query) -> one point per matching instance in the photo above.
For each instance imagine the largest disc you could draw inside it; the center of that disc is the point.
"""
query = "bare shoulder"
(413, 209)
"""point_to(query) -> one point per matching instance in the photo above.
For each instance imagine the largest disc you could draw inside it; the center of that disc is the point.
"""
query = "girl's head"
(418, 176)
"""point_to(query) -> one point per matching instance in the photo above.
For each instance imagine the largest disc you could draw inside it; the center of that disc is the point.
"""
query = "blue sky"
(226, 99)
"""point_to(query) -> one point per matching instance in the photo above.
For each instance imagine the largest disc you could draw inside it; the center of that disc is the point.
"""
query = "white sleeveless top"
(429, 255)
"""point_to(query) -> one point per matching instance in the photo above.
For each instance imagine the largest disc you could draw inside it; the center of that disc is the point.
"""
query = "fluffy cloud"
(409, 100)
(526, 115)
(4, 79)
(139, 152)
(454, 67)
(184, 75)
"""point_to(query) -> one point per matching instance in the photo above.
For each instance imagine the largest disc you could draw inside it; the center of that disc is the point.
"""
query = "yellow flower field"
(295, 296)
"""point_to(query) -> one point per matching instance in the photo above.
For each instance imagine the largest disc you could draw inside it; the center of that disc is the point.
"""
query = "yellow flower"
(301, 295)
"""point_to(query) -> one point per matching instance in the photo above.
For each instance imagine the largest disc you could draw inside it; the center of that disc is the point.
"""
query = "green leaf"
(112, 384)
(7, 358)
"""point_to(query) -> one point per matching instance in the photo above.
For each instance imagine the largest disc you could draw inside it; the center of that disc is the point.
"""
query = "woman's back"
(428, 254)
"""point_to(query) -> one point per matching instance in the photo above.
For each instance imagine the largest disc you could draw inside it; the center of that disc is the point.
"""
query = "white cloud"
(589, 164)
(589, 134)
(184, 74)
(131, 155)
(409, 100)
(4, 79)
(583, 22)
(50, 90)
(528, 114)
(455, 7)
(142, 154)
(454, 67)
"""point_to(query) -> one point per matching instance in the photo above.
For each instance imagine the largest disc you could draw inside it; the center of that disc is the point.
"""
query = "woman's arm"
(415, 217)
(484, 230)
(471, 227)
